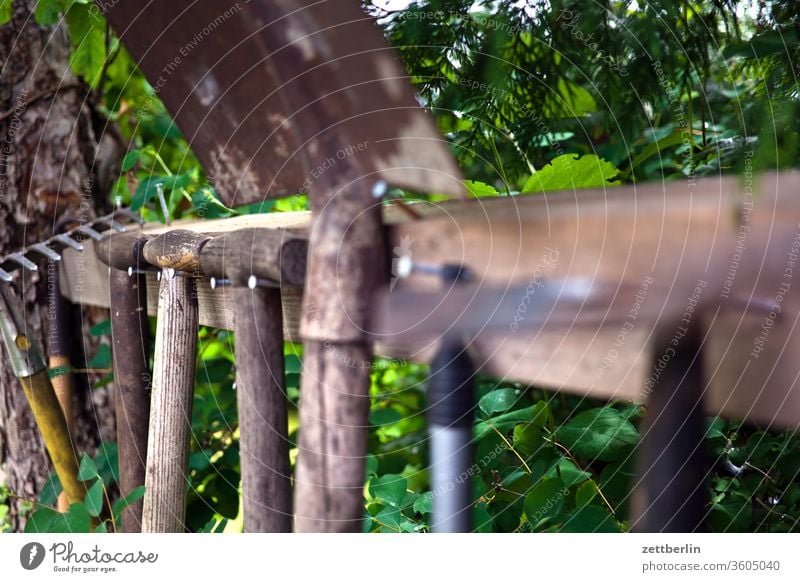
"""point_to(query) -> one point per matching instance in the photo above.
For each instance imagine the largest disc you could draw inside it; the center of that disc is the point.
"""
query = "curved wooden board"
(271, 94)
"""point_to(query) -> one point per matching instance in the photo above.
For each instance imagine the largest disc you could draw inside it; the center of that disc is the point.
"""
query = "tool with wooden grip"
(28, 365)
(122, 252)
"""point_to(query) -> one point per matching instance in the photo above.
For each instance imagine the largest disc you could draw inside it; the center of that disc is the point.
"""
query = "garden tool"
(28, 365)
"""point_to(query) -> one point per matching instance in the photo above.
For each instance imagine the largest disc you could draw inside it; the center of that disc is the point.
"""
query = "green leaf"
(568, 100)
(657, 147)
(527, 438)
(107, 460)
(130, 159)
(121, 504)
(544, 501)
(6, 11)
(390, 489)
(102, 328)
(87, 32)
(46, 520)
(734, 514)
(590, 519)
(768, 43)
(479, 189)
(536, 414)
(51, 490)
(389, 519)
(570, 474)
(102, 358)
(498, 401)
(384, 416)
(585, 493)
(599, 434)
(207, 205)
(424, 503)
(570, 172)
(94, 498)
(102, 528)
(481, 518)
(372, 466)
(88, 469)
(48, 11)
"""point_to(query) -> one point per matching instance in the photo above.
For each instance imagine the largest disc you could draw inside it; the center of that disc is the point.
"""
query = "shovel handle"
(53, 426)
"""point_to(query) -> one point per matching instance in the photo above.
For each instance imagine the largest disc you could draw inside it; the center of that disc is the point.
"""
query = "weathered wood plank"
(655, 241)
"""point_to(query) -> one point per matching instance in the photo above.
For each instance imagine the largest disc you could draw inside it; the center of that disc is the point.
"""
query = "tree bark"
(47, 159)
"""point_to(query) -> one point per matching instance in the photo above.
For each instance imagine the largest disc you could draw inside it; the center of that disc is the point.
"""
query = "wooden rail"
(721, 250)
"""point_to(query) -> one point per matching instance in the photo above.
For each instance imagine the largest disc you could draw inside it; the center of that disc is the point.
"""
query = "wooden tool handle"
(53, 426)
(176, 249)
(276, 255)
(122, 250)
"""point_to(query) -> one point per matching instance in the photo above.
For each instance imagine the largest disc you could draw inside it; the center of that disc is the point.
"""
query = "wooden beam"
(655, 242)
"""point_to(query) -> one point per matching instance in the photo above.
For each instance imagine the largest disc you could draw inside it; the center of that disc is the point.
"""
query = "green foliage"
(570, 172)
(659, 92)
(6, 11)
(87, 33)
(100, 475)
(600, 433)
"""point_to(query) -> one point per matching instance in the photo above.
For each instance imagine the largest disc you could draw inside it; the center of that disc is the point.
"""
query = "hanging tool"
(278, 258)
(28, 365)
(60, 317)
(451, 404)
(164, 508)
(130, 335)
(671, 494)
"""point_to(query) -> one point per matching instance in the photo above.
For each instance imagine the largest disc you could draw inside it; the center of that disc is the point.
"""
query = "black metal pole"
(451, 399)
(671, 494)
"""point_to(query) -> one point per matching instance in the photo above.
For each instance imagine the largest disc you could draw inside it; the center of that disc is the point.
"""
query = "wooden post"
(171, 405)
(670, 494)
(346, 266)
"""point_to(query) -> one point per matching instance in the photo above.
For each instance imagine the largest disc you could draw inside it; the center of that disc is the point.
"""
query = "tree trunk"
(47, 164)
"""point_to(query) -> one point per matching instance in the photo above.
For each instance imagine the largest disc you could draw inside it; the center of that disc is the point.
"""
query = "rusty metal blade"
(271, 93)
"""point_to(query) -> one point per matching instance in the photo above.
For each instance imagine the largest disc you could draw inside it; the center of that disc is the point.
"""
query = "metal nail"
(379, 189)
(451, 272)
(5, 276)
(163, 202)
(43, 249)
(68, 242)
(23, 261)
(253, 282)
(215, 282)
